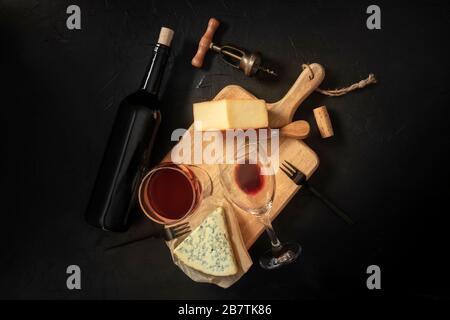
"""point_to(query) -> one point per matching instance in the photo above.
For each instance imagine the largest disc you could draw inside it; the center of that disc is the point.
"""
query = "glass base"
(272, 259)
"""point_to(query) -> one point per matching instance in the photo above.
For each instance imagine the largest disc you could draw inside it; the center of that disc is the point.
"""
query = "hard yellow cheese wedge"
(230, 114)
(208, 248)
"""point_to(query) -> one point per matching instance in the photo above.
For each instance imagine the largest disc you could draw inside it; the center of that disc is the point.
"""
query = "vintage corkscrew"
(249, 63)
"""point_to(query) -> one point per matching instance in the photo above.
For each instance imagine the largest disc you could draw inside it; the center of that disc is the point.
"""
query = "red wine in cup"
(249, 178)
(171, 193)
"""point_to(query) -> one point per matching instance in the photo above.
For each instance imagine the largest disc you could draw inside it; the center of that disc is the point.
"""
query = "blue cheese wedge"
(208, 248)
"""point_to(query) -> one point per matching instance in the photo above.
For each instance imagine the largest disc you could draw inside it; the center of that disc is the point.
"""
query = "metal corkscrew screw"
(249, 63)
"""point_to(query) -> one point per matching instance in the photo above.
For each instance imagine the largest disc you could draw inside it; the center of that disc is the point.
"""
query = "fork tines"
(288, 168)
(178, 230)
(293, 173)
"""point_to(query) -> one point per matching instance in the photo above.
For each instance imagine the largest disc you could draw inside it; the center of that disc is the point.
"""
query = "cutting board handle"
(282, 111)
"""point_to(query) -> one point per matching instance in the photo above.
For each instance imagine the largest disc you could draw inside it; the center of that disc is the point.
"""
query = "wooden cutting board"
(295, 151)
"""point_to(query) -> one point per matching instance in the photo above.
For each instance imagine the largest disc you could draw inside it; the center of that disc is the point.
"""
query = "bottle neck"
(153, 76)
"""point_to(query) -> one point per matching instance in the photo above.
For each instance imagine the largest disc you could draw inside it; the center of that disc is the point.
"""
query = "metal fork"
(300, 179)
(167, 233)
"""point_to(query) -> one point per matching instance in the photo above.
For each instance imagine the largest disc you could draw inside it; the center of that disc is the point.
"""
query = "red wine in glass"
(248, 188)
(249, 178)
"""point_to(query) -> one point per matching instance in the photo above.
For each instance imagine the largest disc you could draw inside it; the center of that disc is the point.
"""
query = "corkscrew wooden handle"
(205, 42)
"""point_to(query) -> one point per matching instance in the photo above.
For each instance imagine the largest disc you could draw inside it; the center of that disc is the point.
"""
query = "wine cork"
(165, 36)
(323, 122)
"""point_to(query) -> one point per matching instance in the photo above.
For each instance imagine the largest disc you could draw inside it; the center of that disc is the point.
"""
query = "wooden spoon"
(296, 130)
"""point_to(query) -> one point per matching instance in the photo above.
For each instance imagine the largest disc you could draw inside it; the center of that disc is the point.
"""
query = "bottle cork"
(165, 36)
(323, 122)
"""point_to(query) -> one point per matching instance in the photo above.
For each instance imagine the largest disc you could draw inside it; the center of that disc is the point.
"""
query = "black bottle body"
(126, 157)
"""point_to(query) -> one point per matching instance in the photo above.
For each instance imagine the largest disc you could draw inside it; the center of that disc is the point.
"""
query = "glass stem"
(276, 244)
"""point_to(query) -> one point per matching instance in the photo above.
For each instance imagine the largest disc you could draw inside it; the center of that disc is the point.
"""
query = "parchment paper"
(241, 255)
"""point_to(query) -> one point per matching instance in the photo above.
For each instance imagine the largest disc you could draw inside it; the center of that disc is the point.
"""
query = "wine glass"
(170, 192)
(249, 184)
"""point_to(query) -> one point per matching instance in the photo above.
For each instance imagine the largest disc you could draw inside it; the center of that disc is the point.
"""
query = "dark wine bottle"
(127, 154)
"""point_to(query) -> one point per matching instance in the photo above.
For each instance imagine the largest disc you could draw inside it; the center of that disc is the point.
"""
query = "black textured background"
(387, 164)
